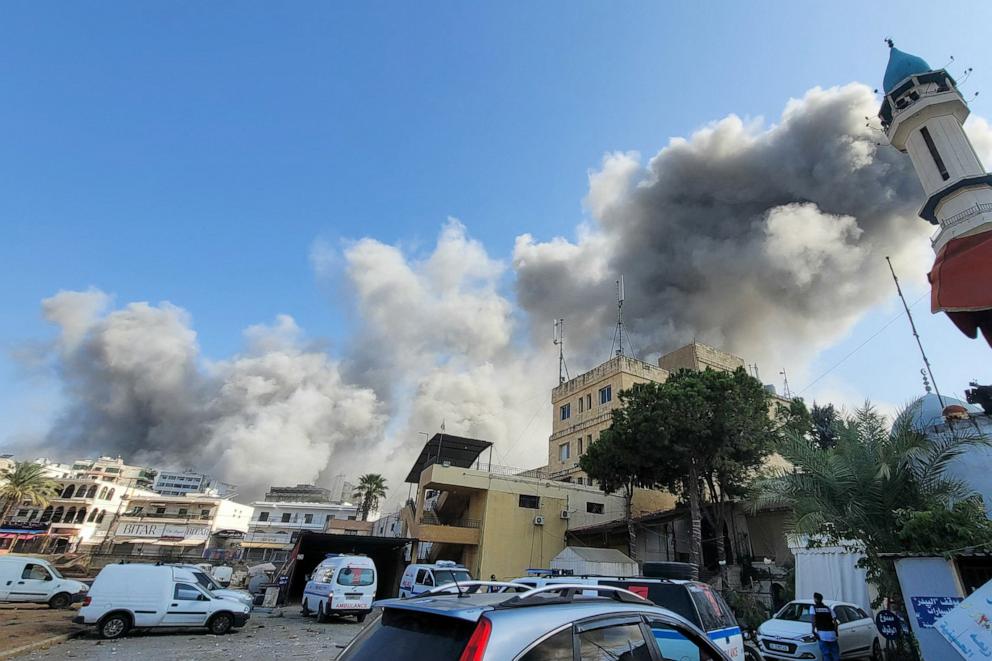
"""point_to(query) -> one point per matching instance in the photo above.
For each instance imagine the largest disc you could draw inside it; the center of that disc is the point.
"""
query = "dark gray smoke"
(766, 242)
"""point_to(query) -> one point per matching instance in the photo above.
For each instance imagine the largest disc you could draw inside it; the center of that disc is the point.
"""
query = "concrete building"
(194, 525)
(276, 526)
(301, 493)
(114, 469)
(389, 525)
(494, 521)
(179, 483)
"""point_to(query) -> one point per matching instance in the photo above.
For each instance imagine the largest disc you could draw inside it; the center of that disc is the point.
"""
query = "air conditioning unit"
(538, 520)
(565, 514)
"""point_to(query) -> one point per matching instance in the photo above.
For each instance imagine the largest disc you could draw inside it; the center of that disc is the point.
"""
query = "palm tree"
(874, 486)
(25, 483)
(371, 487)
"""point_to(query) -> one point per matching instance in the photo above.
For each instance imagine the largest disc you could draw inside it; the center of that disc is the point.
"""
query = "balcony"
(429, 528)
(165, 517)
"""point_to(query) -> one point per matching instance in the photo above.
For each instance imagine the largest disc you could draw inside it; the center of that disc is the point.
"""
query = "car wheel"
(361, 617)
(876, 651)
(306, 608)
(321, 615)
(220, 624)
(751, 654)
(60, 601)
(114, 626)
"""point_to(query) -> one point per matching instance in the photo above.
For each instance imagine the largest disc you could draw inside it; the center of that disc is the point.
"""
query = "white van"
(422, 578)
(341, 585)
(208, 581)
(27, 579)
(695, 601)
(138, 596)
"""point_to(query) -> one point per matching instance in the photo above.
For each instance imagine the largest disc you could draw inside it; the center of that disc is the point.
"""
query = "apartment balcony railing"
(961, 216)
(155, 515)
(432, 519)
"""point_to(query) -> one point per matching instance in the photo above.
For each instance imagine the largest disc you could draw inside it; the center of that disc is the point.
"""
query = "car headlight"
(808, 638)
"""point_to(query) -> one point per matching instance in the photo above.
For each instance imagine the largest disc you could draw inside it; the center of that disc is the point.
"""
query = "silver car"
(492, 621)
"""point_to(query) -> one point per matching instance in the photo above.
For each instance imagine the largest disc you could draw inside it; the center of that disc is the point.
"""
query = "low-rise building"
(494, 521)
(194, 525)
(276, 525)
(301, 493)
(114, 468)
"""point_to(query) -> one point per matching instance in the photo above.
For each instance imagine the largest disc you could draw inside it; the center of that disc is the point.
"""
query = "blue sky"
(193, 152)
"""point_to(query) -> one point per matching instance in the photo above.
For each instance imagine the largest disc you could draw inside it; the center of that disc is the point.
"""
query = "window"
(594, 508)
(713, 610)
(308, 518)
(356, 576)
(182, 511)
(678, 644)
(285, 517)
(622, 641)
(160, 510)
(35, 572)
(424, 578)
(204, 514)
(563, 452)
(22, 513)
(556, 648)
(186, 592)
(530, 502)
(938, 161)
(581, 402)
(410, 636)
(565, 411)
(263, 516)
(578, 447)
(580, 480)
(605, 395)
(352, 518)
(589, 402)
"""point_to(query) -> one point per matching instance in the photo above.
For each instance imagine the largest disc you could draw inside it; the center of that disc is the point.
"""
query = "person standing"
(825, 629)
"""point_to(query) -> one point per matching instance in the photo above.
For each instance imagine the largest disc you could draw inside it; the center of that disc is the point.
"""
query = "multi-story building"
(179, 483)
(115, 469)
(301, 493)
(276, 525)
(194, 525)
(389, 525)
(494, 521)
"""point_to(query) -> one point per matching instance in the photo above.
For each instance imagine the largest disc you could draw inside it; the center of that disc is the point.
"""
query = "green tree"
(25, 483)
(879, 489)
(826, 425)
(624, 457)
(371, 487)
(718, 433)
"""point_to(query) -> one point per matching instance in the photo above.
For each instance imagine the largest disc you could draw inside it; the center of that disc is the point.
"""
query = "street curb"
(41, 644)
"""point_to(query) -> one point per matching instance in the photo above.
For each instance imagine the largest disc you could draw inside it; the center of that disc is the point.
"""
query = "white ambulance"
(341, 585)
(422, 578)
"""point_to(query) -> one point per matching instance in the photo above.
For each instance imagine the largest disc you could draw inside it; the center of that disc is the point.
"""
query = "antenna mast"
(785, 385)
(559, 342)
(912, 325)
(619, 333)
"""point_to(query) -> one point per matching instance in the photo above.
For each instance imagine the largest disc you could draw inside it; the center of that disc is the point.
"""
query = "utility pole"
(912, 325)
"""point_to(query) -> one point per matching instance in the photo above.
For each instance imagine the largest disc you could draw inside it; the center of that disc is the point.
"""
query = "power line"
(858, 348)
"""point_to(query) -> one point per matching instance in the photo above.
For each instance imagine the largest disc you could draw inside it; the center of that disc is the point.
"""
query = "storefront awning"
(266, 545)
(961, 281)
(179, 542)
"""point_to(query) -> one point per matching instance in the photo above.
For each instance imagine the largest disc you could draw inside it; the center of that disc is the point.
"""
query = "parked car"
(341, 585)
(696, 602)
(33, 580)
(207, 581)
(550, 623)
(789, 635)
(134, 596)
(419, 578)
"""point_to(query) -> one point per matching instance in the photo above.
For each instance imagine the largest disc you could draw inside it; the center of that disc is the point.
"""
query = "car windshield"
(795, 612)
(401, 635)
(205, 581)
(445, 576)
(55, 572)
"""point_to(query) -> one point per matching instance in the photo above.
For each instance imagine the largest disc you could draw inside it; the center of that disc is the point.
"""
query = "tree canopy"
(370, 489)
(26, 482)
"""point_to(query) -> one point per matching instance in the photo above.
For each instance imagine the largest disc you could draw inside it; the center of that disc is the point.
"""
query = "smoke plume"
(767, 241)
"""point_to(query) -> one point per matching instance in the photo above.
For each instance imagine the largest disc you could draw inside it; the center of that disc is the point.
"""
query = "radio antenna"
(560, 343)
(912, 325)
(618, 334)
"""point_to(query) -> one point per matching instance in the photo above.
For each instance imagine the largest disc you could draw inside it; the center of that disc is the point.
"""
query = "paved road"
(265, 637)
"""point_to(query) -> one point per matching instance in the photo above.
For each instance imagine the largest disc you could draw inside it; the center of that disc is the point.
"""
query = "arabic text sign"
(888, 624)
(930, 609)
(968, 628)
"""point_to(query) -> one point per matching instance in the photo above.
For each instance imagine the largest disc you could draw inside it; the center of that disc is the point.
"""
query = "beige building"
(582, 408)
(493, 521)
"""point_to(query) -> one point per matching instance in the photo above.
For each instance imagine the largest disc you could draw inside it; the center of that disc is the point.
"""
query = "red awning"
(961, 282)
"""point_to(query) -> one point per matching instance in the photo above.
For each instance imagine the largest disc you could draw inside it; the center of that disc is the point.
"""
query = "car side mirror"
(203, 597)
(49, 577)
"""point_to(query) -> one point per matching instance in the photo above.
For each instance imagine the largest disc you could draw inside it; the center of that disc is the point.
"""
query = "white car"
(418, 578)
(341, 585)
(207, 581)
(33, 580)
(789, 635)
(138, 596)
